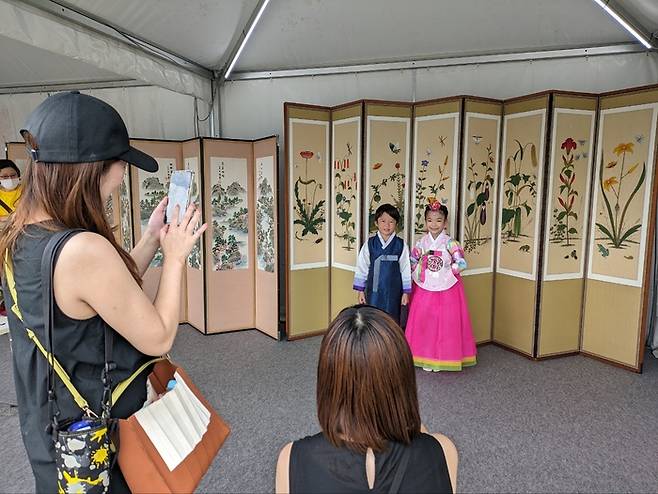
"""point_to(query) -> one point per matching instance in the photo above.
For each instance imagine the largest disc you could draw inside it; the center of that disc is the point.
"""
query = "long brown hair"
(366, 389)
(70, 195)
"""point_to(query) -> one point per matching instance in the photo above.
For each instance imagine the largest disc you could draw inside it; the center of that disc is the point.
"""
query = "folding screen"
(17, 152)
(346, 224)
(124, 209)
(228, 178)
(266, 198)
(479, 184)
(307, 238)
(569, 173)
(148, 189)
(194, 274)
(621, 236)
(387, 141)
(521, 186)
(435, 160)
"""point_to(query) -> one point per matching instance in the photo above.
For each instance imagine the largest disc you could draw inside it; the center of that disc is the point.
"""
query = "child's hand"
(405, 299)
(362, 298)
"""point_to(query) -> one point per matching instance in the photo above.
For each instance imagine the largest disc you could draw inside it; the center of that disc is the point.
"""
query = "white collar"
(385, 243)
(442, 238)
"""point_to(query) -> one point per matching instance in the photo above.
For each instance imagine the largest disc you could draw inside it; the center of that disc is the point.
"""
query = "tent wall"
(149, 112)
(251, 108)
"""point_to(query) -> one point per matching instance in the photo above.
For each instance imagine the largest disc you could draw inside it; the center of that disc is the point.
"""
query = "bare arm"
(91, 278)
(283, 471)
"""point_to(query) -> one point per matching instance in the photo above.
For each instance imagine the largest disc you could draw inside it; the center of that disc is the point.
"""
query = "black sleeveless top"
(79, 347)
(316, 466)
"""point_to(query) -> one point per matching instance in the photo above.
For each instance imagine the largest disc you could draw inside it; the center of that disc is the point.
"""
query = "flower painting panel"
(230, 223)
(435, 163)
(571, 158)
(346, 175)
(478, 194)
(309, 193)
(387, 166)
(195, 259)
(125, 212)
(621, 204)
(265, 220)
(153, 187)
(522, 161)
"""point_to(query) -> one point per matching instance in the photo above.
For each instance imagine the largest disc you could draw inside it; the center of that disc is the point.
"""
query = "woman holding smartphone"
(80, 149)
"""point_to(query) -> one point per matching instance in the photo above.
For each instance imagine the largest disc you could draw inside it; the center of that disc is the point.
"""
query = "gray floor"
(563, 425)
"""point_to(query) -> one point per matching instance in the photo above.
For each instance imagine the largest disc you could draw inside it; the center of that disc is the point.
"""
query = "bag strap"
(402, 468)
(6, 206)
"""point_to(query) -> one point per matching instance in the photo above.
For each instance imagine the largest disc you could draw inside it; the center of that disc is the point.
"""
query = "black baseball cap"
(70, 127)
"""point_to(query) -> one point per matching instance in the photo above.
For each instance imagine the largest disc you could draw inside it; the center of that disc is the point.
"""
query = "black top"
(316, 466)
(79, 347)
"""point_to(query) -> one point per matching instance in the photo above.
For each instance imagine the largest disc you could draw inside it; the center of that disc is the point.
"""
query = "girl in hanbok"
(439, 329)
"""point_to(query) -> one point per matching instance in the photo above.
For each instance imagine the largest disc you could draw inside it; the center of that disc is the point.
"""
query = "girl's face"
(112, 178)
(436, 222)
(386, 225)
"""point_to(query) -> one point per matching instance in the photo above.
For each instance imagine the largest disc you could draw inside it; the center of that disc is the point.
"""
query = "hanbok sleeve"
(457, 254)
(405, 269)
(362, 268)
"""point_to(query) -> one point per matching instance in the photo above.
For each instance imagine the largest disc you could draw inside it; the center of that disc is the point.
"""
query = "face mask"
(10, 183)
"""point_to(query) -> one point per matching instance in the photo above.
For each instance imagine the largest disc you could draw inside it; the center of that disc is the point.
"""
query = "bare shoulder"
(85, 248)
(446, 443)
(282, 470)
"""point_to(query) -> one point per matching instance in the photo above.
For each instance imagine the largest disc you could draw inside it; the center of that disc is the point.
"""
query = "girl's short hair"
(389, 209)
(10, 164)
(366, 389)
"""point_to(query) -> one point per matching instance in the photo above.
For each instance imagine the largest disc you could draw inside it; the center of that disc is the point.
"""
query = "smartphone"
(180, 190)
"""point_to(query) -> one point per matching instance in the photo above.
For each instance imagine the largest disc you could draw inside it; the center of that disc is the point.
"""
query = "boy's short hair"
(389, 209)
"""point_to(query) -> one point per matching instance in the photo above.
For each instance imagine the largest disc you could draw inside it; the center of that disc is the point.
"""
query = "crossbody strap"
(6, 206)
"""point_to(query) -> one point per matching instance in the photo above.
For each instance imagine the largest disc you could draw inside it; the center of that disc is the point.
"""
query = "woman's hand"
(157, 220)
(178, 239)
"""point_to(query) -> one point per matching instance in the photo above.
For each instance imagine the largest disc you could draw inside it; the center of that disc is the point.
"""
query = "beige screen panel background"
(524, 127)
(346, 179)
(566, 228)
(614, 319)
(387, 162)
(266, 199)
(228, 186)
(479, 172)
(151, 187)
(307, 131)
(194, 271)
(435, 164)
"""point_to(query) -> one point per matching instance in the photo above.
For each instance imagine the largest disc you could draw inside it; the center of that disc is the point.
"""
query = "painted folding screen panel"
(569, 170)
(479, 184)
(148, 189)
(621, 234)
(307, 130)
(346, 224)
(435, 166)
(194, 273)
(521, 186)
(17, 152)
(266, 198)
(228, 177)
(387, 165)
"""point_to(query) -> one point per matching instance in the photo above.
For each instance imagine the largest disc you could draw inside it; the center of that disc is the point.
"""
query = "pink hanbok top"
(435, 262)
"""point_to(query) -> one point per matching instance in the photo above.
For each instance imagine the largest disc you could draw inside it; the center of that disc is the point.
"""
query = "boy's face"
(386, 225)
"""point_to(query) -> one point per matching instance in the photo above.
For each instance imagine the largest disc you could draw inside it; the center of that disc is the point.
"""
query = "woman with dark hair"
(79, 148)
(371, 437)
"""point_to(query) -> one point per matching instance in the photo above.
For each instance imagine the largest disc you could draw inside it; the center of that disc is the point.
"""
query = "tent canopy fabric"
(39, 46)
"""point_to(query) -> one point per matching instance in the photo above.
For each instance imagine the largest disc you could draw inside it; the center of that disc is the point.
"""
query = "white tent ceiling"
(305, 33)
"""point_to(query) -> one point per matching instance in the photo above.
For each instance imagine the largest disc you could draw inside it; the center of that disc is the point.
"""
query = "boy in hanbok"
(383, 271)
(439, 329)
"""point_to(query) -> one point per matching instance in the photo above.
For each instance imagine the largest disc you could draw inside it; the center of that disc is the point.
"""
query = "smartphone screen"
(180, 188)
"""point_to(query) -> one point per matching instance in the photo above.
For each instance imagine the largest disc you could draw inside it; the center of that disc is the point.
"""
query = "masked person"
(10, 188)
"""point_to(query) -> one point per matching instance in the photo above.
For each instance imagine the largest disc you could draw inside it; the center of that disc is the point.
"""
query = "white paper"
(175, 423)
